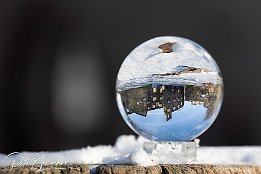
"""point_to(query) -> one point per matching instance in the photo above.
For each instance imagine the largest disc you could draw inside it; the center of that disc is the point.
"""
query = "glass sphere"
(169, 89)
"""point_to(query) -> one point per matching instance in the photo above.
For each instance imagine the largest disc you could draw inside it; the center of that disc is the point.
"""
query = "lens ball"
(169, 89)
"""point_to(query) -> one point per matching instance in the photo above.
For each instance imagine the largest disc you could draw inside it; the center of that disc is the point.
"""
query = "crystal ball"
(169, 89)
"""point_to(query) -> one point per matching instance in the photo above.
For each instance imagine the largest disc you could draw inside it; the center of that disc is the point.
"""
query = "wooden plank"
(50, 169)
(129, 169)
(179, 169)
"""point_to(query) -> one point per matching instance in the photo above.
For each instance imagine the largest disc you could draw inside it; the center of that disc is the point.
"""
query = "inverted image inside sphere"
(169, 89)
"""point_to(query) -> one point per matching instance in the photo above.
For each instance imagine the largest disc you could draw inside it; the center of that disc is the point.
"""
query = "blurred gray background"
(59, 61)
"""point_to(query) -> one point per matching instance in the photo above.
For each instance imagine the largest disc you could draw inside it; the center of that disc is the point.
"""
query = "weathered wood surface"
(179, 169)
(124, 169)
(51, 169)
(128, 169)
(210, 169)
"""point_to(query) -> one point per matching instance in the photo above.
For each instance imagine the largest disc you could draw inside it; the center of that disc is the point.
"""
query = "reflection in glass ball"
(169, 89)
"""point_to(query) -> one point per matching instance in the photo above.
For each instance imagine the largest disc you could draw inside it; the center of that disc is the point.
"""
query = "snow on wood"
(128, 150)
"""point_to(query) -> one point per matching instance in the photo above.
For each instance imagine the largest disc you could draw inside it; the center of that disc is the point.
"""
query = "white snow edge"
(128, 150)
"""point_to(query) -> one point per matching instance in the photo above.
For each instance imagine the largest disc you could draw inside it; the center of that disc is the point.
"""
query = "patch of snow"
(140, 157)
(101, 154)
(128, 149)
(244, 155)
